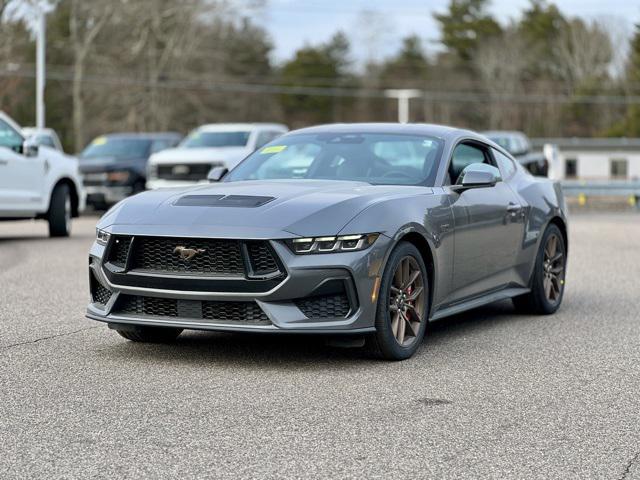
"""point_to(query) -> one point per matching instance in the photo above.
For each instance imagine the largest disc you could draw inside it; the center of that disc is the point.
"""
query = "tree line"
(155, 65)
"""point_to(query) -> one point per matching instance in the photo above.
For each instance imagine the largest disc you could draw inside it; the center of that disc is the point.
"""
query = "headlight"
(118, 176)
(152, 170)
(102, 237)
(344, 243)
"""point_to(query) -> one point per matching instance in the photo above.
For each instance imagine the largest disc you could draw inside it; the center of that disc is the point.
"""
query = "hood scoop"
(243, 201)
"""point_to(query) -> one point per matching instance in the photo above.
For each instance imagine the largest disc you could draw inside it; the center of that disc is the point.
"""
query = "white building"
(595, 158)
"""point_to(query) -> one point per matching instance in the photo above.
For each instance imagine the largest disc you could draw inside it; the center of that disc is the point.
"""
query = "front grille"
(246, 312)
(214, 257)
(184, 171)
(99, 294)
(228, 312)
(324, 306)
(262, 258)
(138, 305)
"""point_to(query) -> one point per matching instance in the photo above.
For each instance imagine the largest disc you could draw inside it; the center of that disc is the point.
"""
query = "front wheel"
(547, 283)
(403, 305)
(59, 216)
(150, 334)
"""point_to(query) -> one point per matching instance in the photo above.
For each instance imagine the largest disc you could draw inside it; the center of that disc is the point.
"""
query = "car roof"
(231, 127)
(503, 133)
(34, 130)
(432, 130)
(144, 135)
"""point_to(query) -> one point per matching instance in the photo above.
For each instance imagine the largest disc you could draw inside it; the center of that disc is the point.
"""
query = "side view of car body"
(43, 136)
(114, 166)
(518, 145)
(370, 230)
(37, 181)
(209, 146)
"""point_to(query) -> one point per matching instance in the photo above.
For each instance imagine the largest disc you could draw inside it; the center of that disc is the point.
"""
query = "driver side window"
(9, 138)
(463, 156)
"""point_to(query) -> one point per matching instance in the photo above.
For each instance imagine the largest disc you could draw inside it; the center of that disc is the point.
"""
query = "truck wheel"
(59, 216)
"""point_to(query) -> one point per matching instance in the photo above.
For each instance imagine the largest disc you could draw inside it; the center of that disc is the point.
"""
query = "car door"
(21, 176)
(489, 228)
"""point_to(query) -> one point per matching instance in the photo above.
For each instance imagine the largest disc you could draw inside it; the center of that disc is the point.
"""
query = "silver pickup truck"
(518, 145)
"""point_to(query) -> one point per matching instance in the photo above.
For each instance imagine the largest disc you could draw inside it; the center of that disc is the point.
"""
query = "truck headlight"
(118, 176)
(102, 237)
(330, 244)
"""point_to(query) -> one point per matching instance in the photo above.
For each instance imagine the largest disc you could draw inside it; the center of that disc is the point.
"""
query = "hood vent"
(244, 201)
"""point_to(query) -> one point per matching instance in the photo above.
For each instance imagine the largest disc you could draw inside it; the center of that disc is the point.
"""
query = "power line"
(435, 96)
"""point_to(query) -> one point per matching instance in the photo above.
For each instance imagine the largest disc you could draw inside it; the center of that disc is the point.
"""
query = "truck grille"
(184, 171)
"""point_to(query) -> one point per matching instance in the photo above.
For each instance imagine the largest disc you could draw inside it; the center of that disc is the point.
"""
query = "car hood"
(285, 208)
(102, 164)
(203, 155)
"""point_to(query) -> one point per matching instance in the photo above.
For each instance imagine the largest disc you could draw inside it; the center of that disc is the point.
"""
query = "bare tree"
(501, 63)
(584, 51)
(86, 21)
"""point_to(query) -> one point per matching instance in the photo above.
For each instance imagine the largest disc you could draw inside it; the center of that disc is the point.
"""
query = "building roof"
(577, 143)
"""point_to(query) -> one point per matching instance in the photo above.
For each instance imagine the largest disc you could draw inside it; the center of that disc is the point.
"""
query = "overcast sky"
(292, 23)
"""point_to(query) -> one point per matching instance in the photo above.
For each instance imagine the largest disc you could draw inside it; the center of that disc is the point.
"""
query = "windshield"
(385, 159)
(118, 148)
(216, 139)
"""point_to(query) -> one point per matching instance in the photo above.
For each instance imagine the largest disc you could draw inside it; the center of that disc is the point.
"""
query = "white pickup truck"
(37, 181)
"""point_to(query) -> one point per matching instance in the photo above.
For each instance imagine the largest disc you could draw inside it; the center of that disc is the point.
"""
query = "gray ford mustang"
(368, 230)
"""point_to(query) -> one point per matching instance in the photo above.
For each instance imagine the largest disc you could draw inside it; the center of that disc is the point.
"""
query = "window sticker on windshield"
(273, 149)
(100, 141)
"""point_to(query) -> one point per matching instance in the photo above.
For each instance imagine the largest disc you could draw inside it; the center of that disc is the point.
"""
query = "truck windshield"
(118, 148)
(216, 139)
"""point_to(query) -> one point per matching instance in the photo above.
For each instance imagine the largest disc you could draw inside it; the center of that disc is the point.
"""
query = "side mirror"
(478, 175)
(216, 173)
(30, 147)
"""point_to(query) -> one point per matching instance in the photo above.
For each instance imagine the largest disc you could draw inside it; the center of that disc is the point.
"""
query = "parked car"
(44, 136)
(209, 146)
(519, 145)
(37, 181)
(115, 166)
(384, 228)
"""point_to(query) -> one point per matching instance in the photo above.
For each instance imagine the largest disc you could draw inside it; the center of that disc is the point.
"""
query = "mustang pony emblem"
(187, 253)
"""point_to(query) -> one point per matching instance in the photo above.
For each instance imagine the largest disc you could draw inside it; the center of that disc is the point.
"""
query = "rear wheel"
(402, 309)
(547, 284)
(60, 212)
(150, 334)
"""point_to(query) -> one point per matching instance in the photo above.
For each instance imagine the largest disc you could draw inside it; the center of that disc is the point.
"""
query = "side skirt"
(479, 301)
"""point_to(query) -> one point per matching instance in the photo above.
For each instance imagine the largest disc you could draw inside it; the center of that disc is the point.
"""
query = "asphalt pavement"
(491, 393)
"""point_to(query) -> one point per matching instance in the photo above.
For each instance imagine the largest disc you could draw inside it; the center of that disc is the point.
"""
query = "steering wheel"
(395, 173)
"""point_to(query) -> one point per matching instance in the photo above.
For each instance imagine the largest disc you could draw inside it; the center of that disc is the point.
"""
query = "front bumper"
(284, 306)
(155, 183)
(107, 195)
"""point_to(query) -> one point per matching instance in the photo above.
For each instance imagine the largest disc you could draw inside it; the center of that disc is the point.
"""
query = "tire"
(59, 216)
(150, 334)
(546, 295)
(398, 333)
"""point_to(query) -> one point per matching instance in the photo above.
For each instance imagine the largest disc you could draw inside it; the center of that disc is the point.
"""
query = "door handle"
(514, 208)
(4, 162)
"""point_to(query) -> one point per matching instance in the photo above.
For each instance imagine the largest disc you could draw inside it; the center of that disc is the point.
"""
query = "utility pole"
(403, 96)
(40, 67)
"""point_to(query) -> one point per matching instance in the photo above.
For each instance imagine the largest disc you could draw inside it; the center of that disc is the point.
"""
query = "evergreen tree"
(465, 26)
